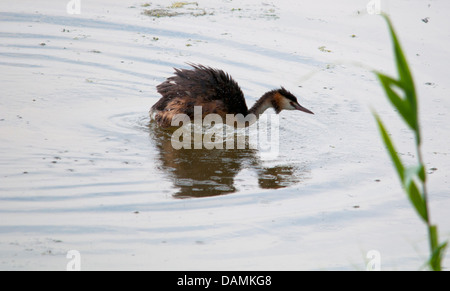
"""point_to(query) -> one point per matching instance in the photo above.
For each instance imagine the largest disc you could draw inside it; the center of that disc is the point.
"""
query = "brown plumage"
(216, 92)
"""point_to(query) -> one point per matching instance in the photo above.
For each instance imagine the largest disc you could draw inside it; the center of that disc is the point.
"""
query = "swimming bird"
(216, 92)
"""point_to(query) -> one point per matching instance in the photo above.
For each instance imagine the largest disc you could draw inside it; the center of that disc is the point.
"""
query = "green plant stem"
(407, 108)
(431, 236)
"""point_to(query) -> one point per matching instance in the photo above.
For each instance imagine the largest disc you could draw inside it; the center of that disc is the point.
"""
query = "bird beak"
(301, 108)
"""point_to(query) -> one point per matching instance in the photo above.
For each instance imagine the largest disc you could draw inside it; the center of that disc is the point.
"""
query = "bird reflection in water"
(210, 172)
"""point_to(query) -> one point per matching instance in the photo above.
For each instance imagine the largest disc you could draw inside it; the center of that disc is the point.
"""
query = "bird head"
(282, 99)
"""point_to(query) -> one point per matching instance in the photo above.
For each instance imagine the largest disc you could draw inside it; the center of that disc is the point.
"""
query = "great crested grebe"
(216, 92)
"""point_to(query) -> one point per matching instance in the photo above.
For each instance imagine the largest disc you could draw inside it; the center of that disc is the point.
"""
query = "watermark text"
(237, 131)
(75, 260)
(73, 7)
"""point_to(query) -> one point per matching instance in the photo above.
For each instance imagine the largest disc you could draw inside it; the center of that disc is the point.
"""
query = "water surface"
(83, 168)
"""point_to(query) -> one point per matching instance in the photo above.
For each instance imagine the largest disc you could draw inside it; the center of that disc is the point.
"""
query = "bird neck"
(262, 104)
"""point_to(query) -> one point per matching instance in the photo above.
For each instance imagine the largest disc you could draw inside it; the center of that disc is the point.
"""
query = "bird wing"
(204, 85)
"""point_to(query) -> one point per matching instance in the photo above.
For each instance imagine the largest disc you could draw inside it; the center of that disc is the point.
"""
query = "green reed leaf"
(391, 150)
(407, 108)
(402, 66)
(402, 105)
(421, 173)
(413, 172)
(438, 251)
(417, 200)
(406, 82)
